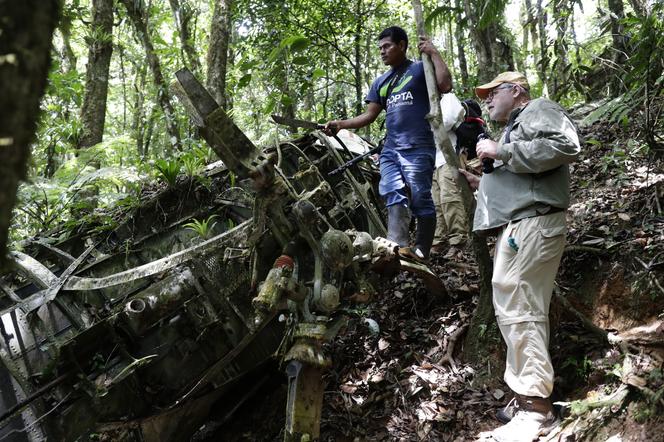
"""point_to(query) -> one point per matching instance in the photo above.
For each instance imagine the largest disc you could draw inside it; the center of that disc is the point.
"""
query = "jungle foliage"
(310, 59)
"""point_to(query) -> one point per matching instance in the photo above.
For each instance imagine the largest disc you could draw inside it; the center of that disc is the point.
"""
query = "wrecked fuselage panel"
(138, 332)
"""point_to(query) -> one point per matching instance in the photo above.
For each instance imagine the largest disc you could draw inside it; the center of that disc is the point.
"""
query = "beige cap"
(505, 77)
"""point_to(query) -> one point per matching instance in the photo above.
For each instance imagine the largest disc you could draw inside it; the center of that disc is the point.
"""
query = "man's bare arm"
(443, 75)
(362, 120)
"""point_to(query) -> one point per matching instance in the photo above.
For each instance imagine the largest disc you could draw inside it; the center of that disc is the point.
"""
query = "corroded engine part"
(159, 301)
(337, 250)
(327, 300)
(305, 364)
(305, 402)
(363, 246)
(272, 290)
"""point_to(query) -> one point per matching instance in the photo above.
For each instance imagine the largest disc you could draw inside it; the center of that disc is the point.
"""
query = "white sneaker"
(525, 426)
(505, 414)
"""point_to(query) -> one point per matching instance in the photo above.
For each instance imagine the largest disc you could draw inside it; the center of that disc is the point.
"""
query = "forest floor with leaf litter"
(393, 378)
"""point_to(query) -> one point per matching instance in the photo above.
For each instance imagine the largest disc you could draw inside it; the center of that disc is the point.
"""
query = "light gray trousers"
(522, 288)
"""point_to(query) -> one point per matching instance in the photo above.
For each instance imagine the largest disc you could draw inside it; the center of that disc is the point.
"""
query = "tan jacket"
(533, 177)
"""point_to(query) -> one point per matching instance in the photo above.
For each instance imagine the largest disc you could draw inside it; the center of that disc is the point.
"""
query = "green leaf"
(286, 100)
(269, 106)
(244, 80)
(295, 43)
(301, 60)
(248, 65)
(299, 43)
(317, 73)
(276, 52)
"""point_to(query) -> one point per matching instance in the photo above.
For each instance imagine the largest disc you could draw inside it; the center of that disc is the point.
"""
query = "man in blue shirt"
(408, 155)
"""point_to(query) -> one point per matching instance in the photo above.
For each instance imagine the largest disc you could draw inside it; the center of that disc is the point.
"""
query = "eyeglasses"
(493, 93)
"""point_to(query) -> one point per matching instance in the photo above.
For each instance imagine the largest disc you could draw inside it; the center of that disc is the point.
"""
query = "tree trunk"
(138, 121)
(137, 16)
(494, 54)
(482, 44)
(502, 51)
(25, 45)
(68, 53)
(288, 107)
(531, 25)
(619, 40)
(522, 63)
(49, 170)
(484, 313)
(461, 50)
(93, 111)
(183, 14)
(562, 9)
(543, 46)
(217, 56)
(357, 46)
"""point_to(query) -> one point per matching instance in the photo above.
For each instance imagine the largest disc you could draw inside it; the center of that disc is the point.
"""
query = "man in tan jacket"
(523, 201)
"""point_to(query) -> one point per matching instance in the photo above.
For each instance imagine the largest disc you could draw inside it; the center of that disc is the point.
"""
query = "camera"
(487, 163)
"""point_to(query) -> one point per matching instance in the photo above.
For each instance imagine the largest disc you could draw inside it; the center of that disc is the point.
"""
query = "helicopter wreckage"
(142, 330)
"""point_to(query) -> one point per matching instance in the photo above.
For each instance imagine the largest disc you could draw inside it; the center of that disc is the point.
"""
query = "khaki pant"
(450, 215)
(522, 287)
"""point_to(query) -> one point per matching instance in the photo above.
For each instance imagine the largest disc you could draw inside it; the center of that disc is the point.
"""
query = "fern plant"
(202, 227)
(168, 171)
(191, 165)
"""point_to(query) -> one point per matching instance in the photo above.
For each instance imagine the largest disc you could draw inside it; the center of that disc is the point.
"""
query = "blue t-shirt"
(407, 106)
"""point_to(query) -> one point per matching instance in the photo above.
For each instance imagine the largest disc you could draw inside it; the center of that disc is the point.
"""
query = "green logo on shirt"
(401, 85)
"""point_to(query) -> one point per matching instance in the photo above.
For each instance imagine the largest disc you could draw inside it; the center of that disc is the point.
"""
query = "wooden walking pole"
(484, 313)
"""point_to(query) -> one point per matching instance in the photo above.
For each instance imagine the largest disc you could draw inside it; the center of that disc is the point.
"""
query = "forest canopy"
(109, 127)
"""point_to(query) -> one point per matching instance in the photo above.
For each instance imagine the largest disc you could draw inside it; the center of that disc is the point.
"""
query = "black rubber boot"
(426, 229)
(398, 221)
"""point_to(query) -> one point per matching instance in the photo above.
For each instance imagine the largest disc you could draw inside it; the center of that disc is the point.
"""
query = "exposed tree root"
(451, 343)
(587, 323)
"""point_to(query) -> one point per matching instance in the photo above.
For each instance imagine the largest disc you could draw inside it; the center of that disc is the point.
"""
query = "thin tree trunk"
(149, 128)
(68, 52)
(449, 44)
(138, 122)
(544, 47)
(287, 108)
(183, 14)
(562, 10)
(25, 45)
(461, 49)
(217, 56)
(93, 111)
(123, 77)
(49, 170)
(523, 19)
(357, 46)
(531, 25)
(136, 13)
(619, 40)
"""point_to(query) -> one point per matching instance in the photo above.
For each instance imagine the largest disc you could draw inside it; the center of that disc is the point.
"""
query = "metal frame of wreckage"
(181, 330)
